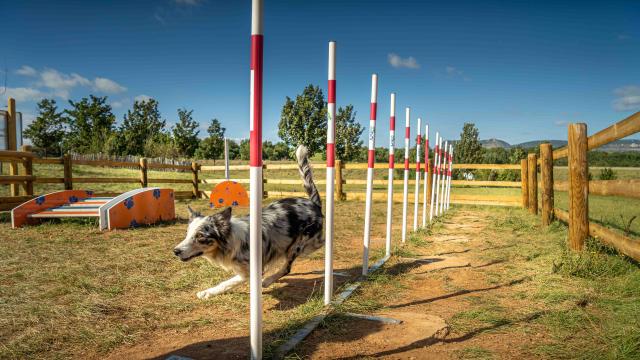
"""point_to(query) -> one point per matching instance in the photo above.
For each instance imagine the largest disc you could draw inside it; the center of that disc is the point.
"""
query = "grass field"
(69, 290)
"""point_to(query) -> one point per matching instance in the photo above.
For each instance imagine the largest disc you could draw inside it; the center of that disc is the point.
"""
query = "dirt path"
(449, 281)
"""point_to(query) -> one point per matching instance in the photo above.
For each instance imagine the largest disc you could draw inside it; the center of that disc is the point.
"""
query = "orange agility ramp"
(130, 209)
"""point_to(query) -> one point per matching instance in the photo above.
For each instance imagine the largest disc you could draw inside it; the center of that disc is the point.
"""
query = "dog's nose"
(177, 251)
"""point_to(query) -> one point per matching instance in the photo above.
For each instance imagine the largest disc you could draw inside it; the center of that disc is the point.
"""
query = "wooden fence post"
(194, 179)
(12, 143)
(265, 194)
(546, 176)
(339, 193)
(28, 170)
(578, 186)
(143, 173)
(524, 183)
(532, 176)
(68, 173)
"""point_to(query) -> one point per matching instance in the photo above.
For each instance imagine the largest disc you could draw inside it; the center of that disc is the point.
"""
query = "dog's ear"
(192, 213)
(226, 213)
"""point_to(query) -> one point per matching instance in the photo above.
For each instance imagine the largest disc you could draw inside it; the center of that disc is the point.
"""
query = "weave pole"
(426, 175)
(372, 159)
(436, 158)
(440, 160)
(331, 171)
(450, 175)
(392, 145)
(405, 194)
(416, 198)
(255, 162)
(445, 163)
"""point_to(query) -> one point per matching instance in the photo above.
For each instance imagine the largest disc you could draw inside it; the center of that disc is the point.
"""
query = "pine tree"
(90, 124)
(46, 132)
(141, 124)
(212, 147)
(348, 133)
(304, 121)
(185, 133)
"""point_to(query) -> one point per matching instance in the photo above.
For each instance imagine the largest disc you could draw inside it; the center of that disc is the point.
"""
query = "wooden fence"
(579, 186)
(349, 174)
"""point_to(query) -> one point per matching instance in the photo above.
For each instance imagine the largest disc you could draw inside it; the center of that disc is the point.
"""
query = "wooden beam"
(617, 131)
(578, 186)
(524, 174)
(546, 177)
(532, 187)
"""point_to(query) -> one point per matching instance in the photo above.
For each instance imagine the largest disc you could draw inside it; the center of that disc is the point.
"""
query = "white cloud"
(452, 71)
(108, 86)
(26, 70)
(398, 62)
(61, 83)
(24, 94)
(560, 122)
(628, 98)
(117, 104)
(142, 98)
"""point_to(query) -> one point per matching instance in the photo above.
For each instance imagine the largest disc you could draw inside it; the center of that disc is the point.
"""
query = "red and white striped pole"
(416, 198)
(443, 183)
(255, 162)
(426, 174)
(405, 194)
(331, 171)
(392, 145)
(450, 174)
(434, 180)
(372, 159)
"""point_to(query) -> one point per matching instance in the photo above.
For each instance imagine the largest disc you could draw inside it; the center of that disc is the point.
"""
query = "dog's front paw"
(205, 294)
(267, 282)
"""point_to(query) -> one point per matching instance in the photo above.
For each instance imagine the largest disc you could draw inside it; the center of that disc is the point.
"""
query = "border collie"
(291, 227)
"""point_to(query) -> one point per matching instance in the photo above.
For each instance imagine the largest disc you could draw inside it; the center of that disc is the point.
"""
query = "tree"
(90, 124)
(304, 121)
(277, 151)
(468, 150)
(212, 147)
(348, 133)
(185, 133)
(141, 124)
(46, 132)
(245, 149)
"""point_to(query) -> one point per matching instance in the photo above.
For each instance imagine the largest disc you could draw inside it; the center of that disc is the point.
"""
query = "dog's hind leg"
(221, 288)
(294, 251)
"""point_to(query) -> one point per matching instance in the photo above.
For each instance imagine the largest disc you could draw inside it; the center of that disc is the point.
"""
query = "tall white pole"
(226, 159)
(392, 145)
(405, 194)
(255, 162)
(426, 174)
(450, 175)
(331, 157)
(416, 197)
(372, 159)
(436, 159)
(438, 195)
(443, 182)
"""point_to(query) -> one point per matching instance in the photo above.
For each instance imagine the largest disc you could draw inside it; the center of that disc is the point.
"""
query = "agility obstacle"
(440, 182)
(392, 145)
(131, 209)
(331, 174)
(371, 161)
(255, 176)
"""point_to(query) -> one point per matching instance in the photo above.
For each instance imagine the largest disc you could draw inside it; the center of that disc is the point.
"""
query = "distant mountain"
(494, 143)
(616, 146)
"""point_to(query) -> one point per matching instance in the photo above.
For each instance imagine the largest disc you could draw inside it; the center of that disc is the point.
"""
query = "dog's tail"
(302, 154)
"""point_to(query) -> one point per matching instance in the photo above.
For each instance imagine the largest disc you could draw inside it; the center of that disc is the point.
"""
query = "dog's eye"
(203, 240)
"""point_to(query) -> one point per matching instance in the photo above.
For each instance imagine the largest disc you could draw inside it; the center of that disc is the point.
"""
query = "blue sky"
(520, 70)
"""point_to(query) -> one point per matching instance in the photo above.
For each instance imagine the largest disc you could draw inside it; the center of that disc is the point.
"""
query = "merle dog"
(291, 227)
